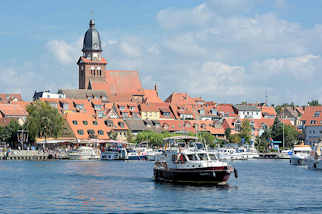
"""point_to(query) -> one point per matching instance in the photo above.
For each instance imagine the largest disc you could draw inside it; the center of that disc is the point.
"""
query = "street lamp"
(22, 136)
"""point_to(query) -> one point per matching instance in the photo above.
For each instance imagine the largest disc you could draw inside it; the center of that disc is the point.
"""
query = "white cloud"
(64, 52)
(212, 50)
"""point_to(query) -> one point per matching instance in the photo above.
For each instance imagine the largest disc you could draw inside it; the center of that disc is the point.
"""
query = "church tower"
(91, 65)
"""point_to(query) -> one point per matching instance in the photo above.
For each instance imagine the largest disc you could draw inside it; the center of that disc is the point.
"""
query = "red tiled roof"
(102, 61)
(98, 85)
(123, 82)
(9, 98)
(309, 117)
(183, 99)
(151, 96)
(226, 109)
(269, 110)
(13, 110)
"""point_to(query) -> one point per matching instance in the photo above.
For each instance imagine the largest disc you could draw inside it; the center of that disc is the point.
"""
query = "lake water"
(263, 186)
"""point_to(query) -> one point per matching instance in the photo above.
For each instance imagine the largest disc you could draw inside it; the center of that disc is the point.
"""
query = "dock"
(28, 155)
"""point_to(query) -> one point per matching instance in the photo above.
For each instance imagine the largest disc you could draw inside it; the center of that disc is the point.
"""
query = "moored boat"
(183, 164)
(84, 153)
(300, 154)
(315, 159)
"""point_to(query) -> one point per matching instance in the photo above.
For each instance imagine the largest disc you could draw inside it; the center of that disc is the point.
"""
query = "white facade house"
(48, 94)
(313, 133)
(248, 112)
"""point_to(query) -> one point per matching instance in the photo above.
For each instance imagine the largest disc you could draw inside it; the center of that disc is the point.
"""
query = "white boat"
(285, 154)
(226, 153)
(115, 151)
(85, 153)
(300, 154)
(315, 159)
(183, 164)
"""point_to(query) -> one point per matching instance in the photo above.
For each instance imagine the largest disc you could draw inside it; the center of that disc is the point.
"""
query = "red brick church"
(120, 86)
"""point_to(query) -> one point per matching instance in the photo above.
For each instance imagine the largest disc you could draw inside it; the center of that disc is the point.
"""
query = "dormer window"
(121, 124)
(108, 123)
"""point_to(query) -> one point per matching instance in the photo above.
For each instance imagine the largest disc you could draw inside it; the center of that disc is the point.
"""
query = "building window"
(80, 131)
(108, 123)
(317, 114)
(95, 123)
(90, 132)
(122, 108)
(121, 124)
(132, 108)
(313, 121)
(85, 122)
(100, 132)
(75, 122)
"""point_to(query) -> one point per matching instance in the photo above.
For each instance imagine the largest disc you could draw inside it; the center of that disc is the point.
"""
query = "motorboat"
(226, 153)
(85, 153)
(300, 154)
(285, 154)
(314, 161)
(115, 151)
(183, 164)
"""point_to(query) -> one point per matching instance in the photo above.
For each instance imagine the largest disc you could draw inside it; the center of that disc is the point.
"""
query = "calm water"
(263, 186)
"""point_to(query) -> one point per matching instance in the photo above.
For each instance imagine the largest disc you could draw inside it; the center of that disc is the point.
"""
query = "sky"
(227, 51)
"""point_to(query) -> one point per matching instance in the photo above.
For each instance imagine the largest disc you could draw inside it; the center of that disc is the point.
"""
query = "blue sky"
(221, 50)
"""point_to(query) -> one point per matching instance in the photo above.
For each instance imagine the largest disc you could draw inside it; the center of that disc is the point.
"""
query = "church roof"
(123, 82)
(92, 41)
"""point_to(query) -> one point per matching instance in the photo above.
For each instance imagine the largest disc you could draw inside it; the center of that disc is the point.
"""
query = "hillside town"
(112, 104)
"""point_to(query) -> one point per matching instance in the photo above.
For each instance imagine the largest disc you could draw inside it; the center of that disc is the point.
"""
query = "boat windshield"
(212, 157)
(192, 157)
(203, 156)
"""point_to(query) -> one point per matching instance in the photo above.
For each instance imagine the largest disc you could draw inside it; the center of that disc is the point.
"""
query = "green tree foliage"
(43, 121)
(113, 135)
(129, 137)
(277, 130)
(246, 131)
(155, 139)
(313, 103)
(207, 138)
(8, 133)
(235, 138)
(228, 133)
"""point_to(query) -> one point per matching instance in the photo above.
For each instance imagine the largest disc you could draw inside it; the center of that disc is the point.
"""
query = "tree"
(113, 135)
(43, 121)
(129, 137)
(227, 133)
(246, 131)
(277, 130)
(207, 138)
(235, 138)
(9, 133)
(313, 103)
